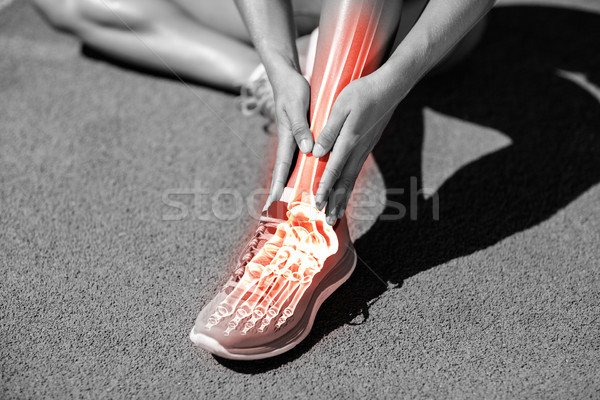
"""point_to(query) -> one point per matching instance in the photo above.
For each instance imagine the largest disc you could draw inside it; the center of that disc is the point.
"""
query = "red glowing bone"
(284, 268)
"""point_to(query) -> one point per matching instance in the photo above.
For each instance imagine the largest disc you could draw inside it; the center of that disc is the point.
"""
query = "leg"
(155, 34)
(222, 16)
(331, 72)
(353, 38)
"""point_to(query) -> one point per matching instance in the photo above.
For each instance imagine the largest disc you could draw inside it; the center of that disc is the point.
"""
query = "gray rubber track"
(500, 298)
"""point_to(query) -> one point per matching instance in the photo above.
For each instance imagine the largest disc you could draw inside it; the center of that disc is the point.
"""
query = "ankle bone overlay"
(277, 277)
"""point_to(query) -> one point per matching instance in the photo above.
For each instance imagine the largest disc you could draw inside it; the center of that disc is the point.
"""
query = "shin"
(353, 38)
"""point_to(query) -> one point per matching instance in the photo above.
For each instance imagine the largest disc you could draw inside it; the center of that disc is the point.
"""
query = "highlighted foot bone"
(277, 277)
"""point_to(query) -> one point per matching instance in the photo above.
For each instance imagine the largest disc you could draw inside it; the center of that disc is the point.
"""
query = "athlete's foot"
(294, 261)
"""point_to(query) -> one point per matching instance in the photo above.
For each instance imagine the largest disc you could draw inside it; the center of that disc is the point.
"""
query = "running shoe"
(269, 304)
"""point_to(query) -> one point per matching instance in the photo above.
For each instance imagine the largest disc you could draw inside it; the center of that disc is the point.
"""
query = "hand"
(292, 101)
(358, 117)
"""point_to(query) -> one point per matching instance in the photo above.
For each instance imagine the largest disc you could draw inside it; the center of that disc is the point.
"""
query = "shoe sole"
(329, 285)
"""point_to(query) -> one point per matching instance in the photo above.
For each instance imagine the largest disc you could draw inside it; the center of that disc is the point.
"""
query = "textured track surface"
(499, 298)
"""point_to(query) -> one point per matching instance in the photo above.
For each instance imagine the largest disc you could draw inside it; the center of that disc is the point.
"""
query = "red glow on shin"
(347, 50)
(277, 277)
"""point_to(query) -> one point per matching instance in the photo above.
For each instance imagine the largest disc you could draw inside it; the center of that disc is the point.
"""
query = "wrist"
(279, 63)
(279, 69)
(405, 68)
(389, 84)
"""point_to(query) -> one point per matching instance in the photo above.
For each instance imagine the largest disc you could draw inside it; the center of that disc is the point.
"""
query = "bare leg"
(353, 38)
(335, 54)
(199, 40)
(155, 34)
(222, 16)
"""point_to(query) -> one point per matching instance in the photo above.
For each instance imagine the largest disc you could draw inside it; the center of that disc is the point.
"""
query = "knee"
(61, 14)
(78, 15)
(116, 13)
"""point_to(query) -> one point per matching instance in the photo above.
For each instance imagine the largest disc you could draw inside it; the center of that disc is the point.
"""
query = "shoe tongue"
(277, 210)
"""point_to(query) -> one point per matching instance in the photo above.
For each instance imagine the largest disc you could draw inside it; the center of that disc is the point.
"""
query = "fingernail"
(305, 146)
(340, 213)
(319, 204)
(319, 200)
(331, 217)
(318, 151)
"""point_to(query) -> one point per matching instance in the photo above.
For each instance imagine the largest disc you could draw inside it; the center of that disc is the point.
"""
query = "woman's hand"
(364, 107)
(358, 117)
(292, 101)
(271, 26)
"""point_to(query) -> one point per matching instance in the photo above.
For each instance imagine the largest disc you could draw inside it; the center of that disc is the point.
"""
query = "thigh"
(223, 16)
(306, 15)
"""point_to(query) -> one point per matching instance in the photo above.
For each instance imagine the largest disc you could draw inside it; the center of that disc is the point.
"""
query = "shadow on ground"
(510, 83)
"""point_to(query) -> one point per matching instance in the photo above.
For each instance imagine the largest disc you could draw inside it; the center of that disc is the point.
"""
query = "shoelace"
(264, 232)
(256, 97)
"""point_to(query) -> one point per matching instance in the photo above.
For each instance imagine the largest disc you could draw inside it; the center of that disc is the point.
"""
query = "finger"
(286, 148)
(335, 165)
(341, 192)
(332, 206)
(297, 113)
(331, 131)
(345, 184)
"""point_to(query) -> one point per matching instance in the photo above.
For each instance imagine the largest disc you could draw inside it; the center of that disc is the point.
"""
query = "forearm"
(441, 26)
(273, 32)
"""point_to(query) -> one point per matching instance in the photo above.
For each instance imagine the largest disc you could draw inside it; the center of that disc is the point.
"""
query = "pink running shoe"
(269, 304)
